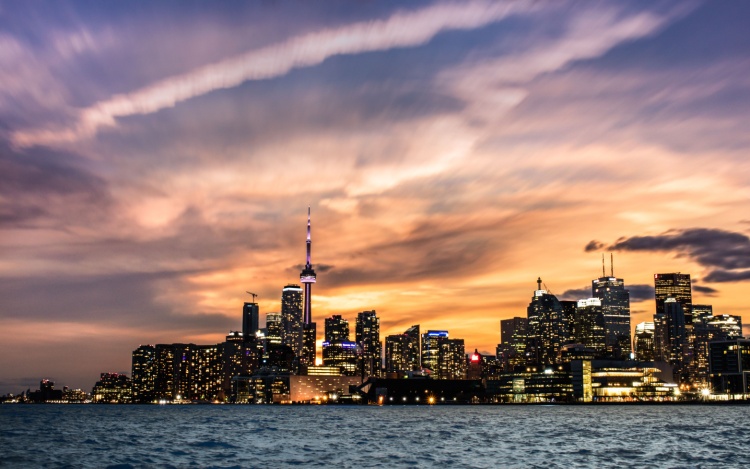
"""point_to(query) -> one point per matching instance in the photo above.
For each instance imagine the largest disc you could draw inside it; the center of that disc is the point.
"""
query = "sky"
(157, 160)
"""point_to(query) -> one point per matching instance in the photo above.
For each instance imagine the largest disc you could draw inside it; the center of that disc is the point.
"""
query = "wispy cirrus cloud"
(402, 29)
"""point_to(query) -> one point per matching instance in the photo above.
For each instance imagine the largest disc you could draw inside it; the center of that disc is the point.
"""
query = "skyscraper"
(402, 351)
(307, 277)
(589, 326)
(291, 318)
(336, 329)
(644, 342)
(367, 336)
(615, 303)
(547, 330)
(431, 349)
(677, 286)
(250, 315)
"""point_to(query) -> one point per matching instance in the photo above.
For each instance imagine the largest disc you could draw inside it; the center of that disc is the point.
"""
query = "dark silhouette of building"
(730, 367)
(250, 318)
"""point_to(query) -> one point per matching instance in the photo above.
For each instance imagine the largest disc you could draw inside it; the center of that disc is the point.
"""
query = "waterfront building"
(615, 305)
(547, 330)
(589, 327)
(240, 358)
(730, 367)
(706, 329)
(112, 388)
(367, 336)
(46, 393)
(143, 373)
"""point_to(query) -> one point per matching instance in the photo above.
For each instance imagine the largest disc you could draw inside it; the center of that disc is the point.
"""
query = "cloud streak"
(727, 253)
(403, 29)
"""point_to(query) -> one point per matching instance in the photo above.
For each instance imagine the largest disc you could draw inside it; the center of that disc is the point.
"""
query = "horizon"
(157, 161)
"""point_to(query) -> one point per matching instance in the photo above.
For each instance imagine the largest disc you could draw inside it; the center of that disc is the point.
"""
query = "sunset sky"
(157, 161)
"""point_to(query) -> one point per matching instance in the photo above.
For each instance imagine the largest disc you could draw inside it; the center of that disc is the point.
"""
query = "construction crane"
(253, 294)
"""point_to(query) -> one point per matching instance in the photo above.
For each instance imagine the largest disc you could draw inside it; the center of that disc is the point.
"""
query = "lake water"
(353, 436)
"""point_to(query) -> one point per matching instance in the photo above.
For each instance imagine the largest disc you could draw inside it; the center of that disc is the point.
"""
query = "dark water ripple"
(467, 436)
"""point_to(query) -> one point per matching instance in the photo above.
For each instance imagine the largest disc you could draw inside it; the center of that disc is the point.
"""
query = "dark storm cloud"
(638, 293)
(727, 253)
(708, 291)
(593, 245)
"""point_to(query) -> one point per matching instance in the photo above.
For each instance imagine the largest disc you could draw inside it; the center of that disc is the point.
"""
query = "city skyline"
(156, 164)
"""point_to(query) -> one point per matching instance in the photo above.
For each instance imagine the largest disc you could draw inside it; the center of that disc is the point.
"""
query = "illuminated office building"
(343, 354)
(707, 329)
(644, 342)
(451, 359)
(511, 350)
(547, 330)
(112, 388)
(367, 336)
(336, 328)
(291, 318)
(589, 326)
(143, 373)
(615, 304)
(730, 367)
(402, 351)
(273, 329)
(676, 286)
(431, 349)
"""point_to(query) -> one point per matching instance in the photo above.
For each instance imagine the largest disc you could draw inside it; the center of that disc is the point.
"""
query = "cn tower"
(307, 277)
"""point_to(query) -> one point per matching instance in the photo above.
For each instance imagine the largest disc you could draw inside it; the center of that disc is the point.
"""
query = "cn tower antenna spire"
(309, 240)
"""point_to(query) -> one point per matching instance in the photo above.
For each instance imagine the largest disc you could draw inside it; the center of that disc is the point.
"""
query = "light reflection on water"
(415, 436)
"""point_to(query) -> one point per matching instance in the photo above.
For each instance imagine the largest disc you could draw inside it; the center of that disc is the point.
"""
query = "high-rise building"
(402, 351)
(291, 318)
(675, 348)
(143, 374)
(730, 367)
(512, 329)
(336, 328)
(112, 388)
(367, 336)
(431, 349)
(451, 359)
(343, 354)
(677, 286)
(273, 329)
(644, 342)
(547, 330)
(250, 315)
(589, 326)
(511, 350)
(615, 300)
